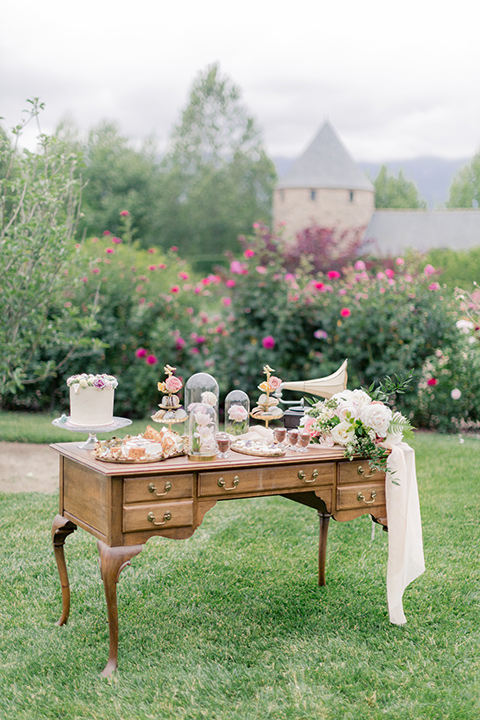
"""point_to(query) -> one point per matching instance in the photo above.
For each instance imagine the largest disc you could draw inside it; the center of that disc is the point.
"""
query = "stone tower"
(323, 187)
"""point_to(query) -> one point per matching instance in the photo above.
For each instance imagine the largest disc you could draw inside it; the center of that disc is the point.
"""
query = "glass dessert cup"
(224, 442)
(292, 439)
(303, 441)
(279, 435)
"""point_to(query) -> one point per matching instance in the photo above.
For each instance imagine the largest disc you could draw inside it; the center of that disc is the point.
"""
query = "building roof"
(325, 164)
(391, 232)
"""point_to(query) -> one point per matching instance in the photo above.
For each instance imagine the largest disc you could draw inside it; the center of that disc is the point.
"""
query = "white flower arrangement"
(101, 382)
(359, 422)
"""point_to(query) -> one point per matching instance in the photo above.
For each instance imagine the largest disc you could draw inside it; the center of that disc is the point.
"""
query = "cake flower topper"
(267, 407)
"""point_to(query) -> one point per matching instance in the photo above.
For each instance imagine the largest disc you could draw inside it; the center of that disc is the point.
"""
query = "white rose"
(209, 398)
(342, 434)
(377, 416)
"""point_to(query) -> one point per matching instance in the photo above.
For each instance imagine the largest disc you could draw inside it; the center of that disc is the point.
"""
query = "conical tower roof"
(326, 164)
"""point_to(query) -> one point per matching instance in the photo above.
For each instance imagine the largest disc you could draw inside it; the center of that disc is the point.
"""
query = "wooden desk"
(124, 505)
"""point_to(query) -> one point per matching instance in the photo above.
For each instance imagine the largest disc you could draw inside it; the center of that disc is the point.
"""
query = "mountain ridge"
(432, 175)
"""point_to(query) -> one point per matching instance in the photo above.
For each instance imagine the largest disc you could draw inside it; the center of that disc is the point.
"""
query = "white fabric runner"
(405, 543)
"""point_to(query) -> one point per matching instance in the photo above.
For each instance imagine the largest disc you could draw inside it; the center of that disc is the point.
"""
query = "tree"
(117, 177)
(396, 192)
(217, 177)
(465, 187)
(39, 207)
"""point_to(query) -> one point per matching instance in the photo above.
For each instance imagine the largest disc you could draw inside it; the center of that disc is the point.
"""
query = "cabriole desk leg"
(112, 562)
(61, 528)
(322, 546)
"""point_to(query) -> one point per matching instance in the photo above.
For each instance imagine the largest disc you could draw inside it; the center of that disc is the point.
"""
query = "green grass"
(38, 428)
(231, 625)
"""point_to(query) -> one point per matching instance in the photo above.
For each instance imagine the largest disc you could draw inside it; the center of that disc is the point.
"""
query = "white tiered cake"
(91, 399)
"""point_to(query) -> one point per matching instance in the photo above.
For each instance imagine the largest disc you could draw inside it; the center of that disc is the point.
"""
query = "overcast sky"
(396, 79)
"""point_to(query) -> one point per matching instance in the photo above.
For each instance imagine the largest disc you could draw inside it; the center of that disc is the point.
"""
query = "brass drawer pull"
(152, 488)
(301, 476)
(361, 498)
(166, 517)
(221, 483)
(361, 471)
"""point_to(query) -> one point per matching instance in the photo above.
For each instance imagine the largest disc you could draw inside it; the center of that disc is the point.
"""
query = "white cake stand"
(64, 423)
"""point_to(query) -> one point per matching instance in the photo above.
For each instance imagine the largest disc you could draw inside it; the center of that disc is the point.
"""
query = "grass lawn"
(38, 428)
(231, 625)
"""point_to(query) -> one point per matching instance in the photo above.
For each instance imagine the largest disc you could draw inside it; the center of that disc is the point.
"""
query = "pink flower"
(400, 261)
(151, 360)
(268, 342)
(179, 343)
(183, 275)
(84, 279)
(174, 248)
(274, 383)
(345, 312)
(333, 275)
(342, 291)
(236, 267)
(226, 301)
(161, 266)
(429, 270)
(261, 269)
(230, 283)
(109, 250)
(289, 277)
(194, 351)
(140, 352)
(95, 271)
(175, 289)
(152, 267)
(320, 334)
(124, 213)
(434, 286)
(249, 253)
(173, 384)
(456, 394)
(432, 381)
(107, 232)
(360, 265)
(151, 250)
(77, 245)
(390, 273)
(116, 240)
(318, 285)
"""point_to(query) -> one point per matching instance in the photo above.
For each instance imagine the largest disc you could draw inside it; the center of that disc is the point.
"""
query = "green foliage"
(116, 177)
(39, 205)
(396, 192)
(458, 268)
(217, 177)
(465, 187)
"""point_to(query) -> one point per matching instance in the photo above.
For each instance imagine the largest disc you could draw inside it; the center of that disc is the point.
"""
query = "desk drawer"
(356, 471)
(149, 488)
(157, 516)
(361, 496)
(265, 479)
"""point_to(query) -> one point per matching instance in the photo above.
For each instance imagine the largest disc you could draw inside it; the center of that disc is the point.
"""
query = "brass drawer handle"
(166, 517)
(361, 498)
(221, 483)
(152, 488)
(301, 476)
(361, 471)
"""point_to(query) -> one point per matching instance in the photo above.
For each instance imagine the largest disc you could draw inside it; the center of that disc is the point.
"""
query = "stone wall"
(298, 208)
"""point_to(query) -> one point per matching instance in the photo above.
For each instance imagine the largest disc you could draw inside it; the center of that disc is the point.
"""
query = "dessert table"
(123, 505)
